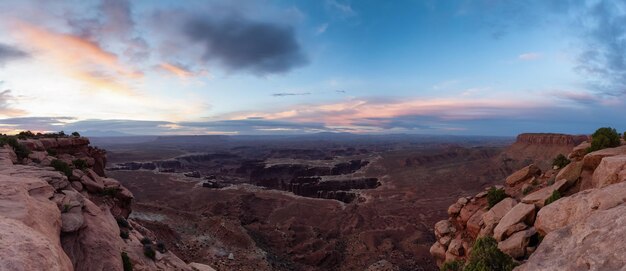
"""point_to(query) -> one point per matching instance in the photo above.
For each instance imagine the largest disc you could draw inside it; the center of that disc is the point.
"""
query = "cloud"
(321, 29)
(603, 56)
(283, 94)
(240, 44)
(82, 59)
(8, 53)
(180, 71)
(6, 104)
(345, 9)
(529, 56)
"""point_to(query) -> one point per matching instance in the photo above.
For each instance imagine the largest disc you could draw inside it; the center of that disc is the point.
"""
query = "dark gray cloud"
(283, 94)
(8, 53)
(241, 44)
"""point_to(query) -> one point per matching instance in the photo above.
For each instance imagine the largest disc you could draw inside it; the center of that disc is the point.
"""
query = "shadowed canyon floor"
(248, 227)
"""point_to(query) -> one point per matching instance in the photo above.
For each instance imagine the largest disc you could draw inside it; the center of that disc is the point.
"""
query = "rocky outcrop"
(581, 224)
(68, 219)
(551, 139)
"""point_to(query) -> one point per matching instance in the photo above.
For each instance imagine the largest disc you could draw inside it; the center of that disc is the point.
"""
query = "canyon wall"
(546, 219)
(59, 211)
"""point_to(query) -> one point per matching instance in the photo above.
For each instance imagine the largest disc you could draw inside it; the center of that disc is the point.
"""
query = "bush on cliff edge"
(494, 196)
(605, 137)
(486, 256)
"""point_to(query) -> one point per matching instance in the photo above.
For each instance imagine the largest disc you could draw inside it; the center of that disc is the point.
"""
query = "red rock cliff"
(551, 139)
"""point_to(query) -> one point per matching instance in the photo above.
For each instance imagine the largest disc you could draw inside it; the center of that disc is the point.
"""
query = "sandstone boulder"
(523, 174)
(475, 223)
(515, 245)
(569, 210)
(467, 212)
(57, 180)
(204, 267)
(444, 227)
(571, 172)
(579, 151)
(611, 170)
(522, 212)
(438, 251)
(592, 160)
(538, 198)
(91, 185)
(454, 209)
(456, 248)
(595, 242)
(492, 217)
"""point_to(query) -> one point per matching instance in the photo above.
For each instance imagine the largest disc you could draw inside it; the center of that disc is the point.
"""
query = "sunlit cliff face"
(262, 67)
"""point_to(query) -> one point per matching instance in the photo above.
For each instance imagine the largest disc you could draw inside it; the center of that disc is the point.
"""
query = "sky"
(464, 67)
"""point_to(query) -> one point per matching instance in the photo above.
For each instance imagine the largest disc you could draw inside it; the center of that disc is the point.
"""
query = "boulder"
(72, 221)
(538, 198)
(444, 227)
(445, 241)
(523, 174)
(57, 180)
(522, 212)
(595, 242)
(475, 223)
(579, 151)
(456, 248)
(454, 209)
(571, 172)
(577, 207)
(382, 265)
(515, 245)
(91, 185)
(592, 160)
(467, 211)
(38, 155)
(611, 170)
(438, 251)
(492, 217)
(515, 228)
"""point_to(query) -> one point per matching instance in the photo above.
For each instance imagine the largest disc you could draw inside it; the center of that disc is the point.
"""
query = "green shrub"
(80, 164)
(122, 222)
(51, 152)
(149, 251)
(554, 197)
(494, 196)
(527, 190)
(161, 246)
(128, 266)
(20, 150)
(66, 208)
(124, 234)
(456, 265)
(486, 256)
(62, 167)
(551, 181)
(76, 134)
(25, 135)
(605, 137)
(560, 161)
(109, 191)
(624, 137)
(146, 241)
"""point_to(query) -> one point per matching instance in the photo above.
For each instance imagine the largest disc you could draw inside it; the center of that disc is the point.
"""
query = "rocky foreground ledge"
(59, 211)
(569, 218)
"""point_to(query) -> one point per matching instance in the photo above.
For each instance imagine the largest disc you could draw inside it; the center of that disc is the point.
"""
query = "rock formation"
(562, 219)
(59, 211)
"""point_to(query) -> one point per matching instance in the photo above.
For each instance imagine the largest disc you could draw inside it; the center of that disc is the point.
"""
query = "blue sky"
(482, 67)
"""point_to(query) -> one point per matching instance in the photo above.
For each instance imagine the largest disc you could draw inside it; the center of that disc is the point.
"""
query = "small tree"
(560, 161)
(456, 265)
(605, 137)
(76, 134)
(128, 266)
(494, 196)
(149, 252)
(486, 256)
(62, 167)
(80, 164)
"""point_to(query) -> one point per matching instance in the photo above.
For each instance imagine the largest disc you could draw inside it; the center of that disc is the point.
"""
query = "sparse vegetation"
(122, 222)
(51, 152)
(495, 195)
(62, 167)
(128, 266)
(528, 189)
(66, 208)
(560, 161)
(124, 234)
(554, 197)
(76, 134)
(25, 135)
(20, 150)
(605, 137)
(486, 256)
(161, 246)
(456, 265)
(110, 191)
(149, 252)
(80, 164)
(551, 181)
(146, 241)
(624, 136)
